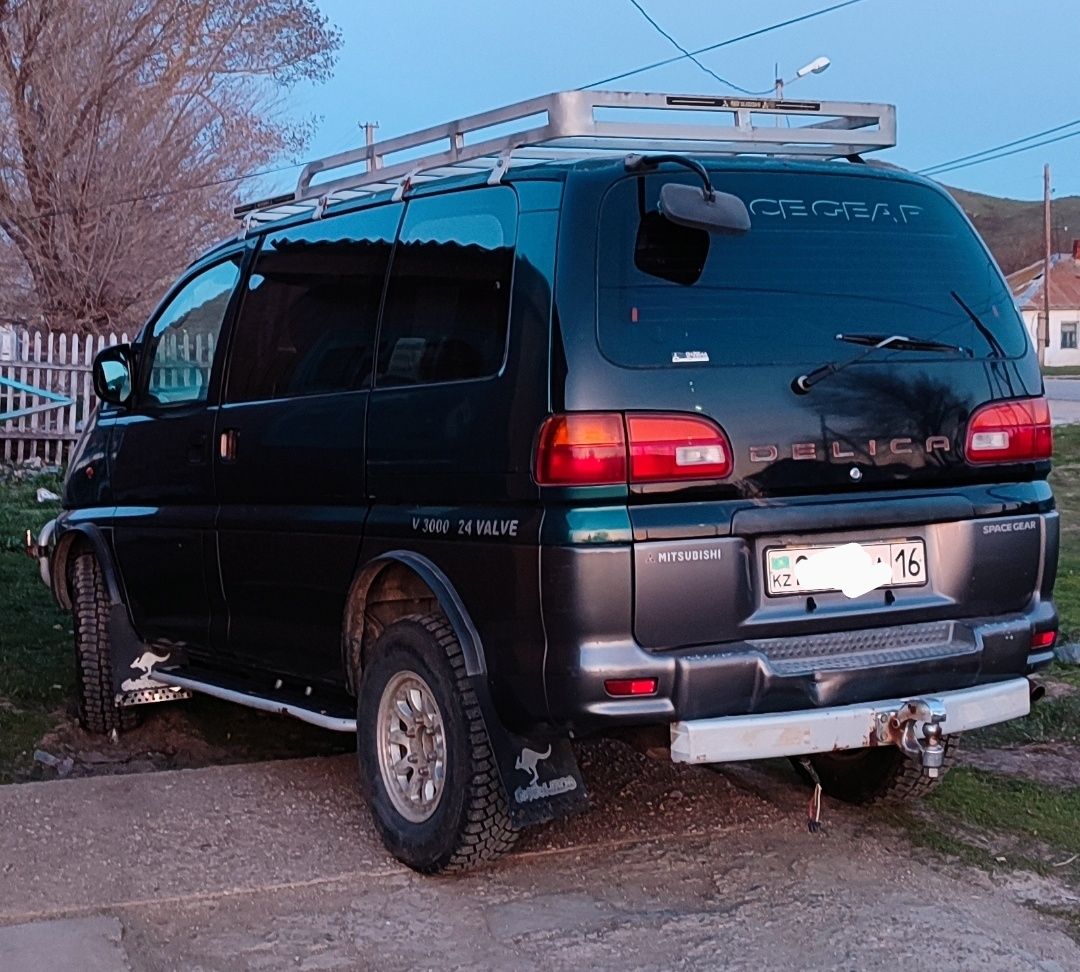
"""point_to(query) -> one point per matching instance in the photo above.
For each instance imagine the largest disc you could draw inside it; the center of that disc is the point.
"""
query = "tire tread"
(97, 709)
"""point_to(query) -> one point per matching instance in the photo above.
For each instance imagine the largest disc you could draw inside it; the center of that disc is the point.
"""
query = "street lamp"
(816, 66)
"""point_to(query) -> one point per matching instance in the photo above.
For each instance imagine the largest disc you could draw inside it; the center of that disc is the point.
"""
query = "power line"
(692, 55)
(1002, 155)
(723, 43)
(930, 169)
(660, 30)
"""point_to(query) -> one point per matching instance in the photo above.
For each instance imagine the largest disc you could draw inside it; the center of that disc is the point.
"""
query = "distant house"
(1027, 287)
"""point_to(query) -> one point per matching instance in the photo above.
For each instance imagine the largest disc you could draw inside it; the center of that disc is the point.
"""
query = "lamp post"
(816, 66)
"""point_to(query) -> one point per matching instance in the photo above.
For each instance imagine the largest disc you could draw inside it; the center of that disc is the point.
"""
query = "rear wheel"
(877, 775)
(95, 699)
(426, 764)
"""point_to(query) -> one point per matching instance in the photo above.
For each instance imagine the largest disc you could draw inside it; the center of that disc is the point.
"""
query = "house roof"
(1027, 284)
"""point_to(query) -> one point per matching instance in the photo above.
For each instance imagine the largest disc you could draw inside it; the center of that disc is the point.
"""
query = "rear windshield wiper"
(994, 343)
(898, 342)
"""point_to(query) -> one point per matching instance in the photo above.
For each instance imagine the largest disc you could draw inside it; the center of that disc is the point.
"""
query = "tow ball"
(900, 728)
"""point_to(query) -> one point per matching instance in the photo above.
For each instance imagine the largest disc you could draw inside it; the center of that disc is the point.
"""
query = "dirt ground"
(275, 865)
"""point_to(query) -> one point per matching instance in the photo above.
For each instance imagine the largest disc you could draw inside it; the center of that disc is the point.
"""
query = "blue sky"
(964, 74)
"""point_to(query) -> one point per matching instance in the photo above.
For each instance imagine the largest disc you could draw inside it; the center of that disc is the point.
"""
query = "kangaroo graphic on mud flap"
(528, 760)
(144, 663)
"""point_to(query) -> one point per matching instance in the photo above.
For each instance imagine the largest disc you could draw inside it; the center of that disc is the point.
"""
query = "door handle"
(227, 445)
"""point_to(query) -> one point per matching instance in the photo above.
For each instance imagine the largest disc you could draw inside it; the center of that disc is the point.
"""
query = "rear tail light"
(624, 687)
(603, 448)
(582, 449)
(1043, 639)
(667, 447)
(1014, 431)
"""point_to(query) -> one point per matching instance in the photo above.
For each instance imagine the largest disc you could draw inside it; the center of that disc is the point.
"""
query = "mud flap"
(542, 781)
(133, 664)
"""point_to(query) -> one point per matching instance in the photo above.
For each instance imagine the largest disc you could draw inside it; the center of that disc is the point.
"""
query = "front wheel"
(877, 775)
(426, 764)
(95, 699)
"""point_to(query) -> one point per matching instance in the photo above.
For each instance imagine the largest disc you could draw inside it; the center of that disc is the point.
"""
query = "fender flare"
(68, 535)
(527, 804)
(439, 584)
(125, 645)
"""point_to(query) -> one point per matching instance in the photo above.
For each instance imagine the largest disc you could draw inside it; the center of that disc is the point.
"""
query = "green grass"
(979, 817)
(999, 823)
(1042, 814)
(1062, 370)
(36, 674)
(1066, 482)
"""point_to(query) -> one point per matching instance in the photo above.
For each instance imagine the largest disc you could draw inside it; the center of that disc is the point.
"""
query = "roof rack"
(574, 125)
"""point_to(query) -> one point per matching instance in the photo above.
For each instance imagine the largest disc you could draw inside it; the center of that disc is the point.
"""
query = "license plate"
(786, 570)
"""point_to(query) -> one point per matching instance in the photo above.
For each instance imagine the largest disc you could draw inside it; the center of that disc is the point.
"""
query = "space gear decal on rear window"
(833, 209)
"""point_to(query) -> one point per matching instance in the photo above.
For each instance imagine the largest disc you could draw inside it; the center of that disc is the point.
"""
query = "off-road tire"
(880, 775)
(95, 701)
(471, 823)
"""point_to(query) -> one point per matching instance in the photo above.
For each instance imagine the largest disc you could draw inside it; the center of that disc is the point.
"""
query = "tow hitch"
(899, 728)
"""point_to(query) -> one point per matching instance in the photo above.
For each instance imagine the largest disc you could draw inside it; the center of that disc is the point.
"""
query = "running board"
(315, 717)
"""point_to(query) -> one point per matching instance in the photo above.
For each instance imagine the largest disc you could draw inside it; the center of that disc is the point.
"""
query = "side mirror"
(113, 370)
(689, 206)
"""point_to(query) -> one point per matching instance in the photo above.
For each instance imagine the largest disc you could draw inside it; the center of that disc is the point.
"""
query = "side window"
(448, 298)
(183, 339)
(1068, 334)
(307, 322)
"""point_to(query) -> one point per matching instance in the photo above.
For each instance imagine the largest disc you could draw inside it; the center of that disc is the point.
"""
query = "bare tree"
(124, 125)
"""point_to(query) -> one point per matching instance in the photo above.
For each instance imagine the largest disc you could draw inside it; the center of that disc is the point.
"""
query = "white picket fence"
(58, 363)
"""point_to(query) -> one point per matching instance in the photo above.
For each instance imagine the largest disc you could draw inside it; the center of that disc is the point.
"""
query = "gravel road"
(275, 865)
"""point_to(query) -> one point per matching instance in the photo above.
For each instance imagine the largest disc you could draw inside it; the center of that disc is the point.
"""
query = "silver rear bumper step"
(728, 739)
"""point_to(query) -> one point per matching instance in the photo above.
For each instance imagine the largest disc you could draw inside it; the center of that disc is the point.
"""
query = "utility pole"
(369, 139)
(1044, 323)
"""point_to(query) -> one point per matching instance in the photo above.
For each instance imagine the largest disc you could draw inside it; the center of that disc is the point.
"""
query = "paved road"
(1064, 396)
(275, 865)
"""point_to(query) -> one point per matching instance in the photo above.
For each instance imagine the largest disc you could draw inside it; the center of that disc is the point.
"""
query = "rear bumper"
(795, 674)
(693, 615)
(768, 735)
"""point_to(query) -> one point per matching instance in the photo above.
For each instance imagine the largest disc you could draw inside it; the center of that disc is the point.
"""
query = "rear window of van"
(826, 254)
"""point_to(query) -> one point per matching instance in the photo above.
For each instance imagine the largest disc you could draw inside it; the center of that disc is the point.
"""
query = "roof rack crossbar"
(574, 125)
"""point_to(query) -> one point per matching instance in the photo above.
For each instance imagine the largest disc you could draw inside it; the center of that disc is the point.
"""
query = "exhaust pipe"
(1038, 690)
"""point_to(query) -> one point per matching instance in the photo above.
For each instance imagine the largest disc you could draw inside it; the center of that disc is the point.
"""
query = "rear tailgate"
(876, 454)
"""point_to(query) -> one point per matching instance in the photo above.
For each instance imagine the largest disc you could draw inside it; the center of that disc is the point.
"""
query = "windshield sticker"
(685, 357)
(850, 211)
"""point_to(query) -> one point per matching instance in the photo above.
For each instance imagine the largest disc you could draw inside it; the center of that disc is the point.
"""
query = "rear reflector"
(1043, 639)
(622, 687)
(606, 448)
(1014, 431)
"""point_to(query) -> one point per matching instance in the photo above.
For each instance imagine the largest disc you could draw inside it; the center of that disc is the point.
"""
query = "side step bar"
(320, 718)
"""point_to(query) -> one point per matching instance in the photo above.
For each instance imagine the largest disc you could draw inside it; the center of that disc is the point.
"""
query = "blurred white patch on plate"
(849, 569)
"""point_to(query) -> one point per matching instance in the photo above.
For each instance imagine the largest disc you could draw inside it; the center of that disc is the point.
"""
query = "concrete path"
(275, 865)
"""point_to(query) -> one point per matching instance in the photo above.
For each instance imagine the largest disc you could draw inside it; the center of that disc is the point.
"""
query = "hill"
(1013, 228)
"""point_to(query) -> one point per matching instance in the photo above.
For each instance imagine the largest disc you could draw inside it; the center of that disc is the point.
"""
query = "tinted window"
(826, 254)
(449, 293)
(307, 323)
(180, 346)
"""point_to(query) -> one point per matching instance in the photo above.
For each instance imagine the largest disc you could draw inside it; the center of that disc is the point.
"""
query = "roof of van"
(588, 167)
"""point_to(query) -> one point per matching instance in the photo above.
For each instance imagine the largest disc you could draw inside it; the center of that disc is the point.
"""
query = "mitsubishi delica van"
(599, 411)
